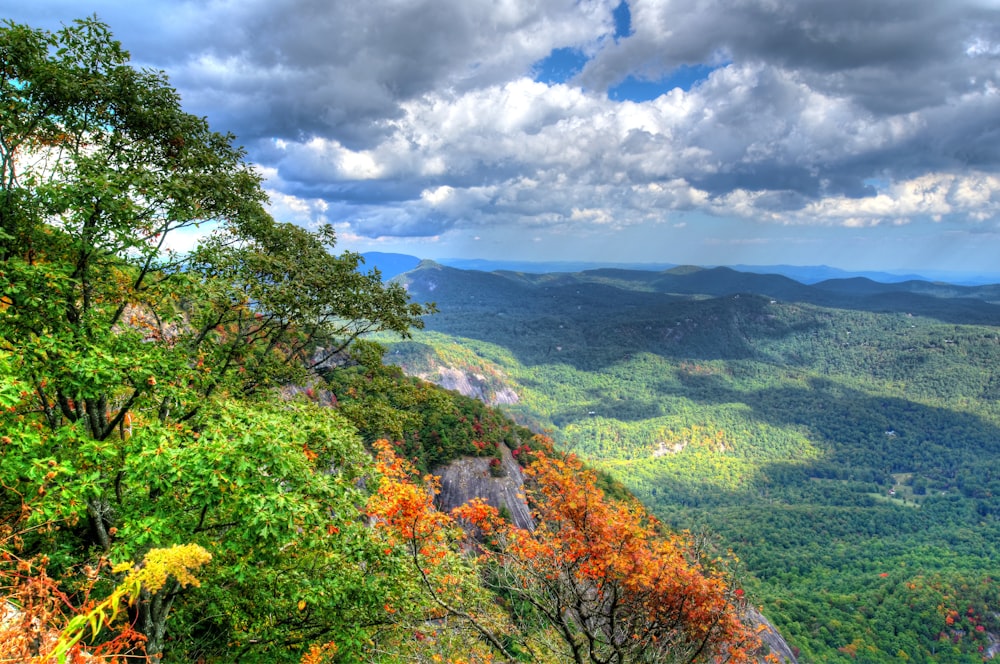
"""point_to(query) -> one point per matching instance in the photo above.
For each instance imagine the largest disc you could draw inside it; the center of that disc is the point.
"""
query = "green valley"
(842, 438)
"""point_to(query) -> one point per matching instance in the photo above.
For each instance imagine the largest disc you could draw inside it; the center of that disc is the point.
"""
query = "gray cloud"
(890, 56)
(419, 118)
(340, 69)
(334, 68)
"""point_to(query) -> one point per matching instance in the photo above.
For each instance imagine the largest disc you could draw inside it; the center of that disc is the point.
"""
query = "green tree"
(281, 305)
(120, 358)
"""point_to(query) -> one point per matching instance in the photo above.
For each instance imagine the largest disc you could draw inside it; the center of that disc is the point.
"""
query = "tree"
(426, 542)
(595, 582)
(602, 583)
(282, 305)
(270, 489)
(35, 627)
(99, 165)
(119, 359)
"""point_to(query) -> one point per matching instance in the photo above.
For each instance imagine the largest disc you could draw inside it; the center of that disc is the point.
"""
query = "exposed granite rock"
(469, 477)
(477, 386)
(771, 637)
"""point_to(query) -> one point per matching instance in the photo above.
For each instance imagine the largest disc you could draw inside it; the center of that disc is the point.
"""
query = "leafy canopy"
(126, 368)
(138, 424)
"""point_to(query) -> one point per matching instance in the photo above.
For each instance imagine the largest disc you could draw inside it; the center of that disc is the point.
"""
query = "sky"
(861, 134)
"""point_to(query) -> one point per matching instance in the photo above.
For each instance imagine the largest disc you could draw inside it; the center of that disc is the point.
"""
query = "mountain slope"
(842, 437)
(389, 264)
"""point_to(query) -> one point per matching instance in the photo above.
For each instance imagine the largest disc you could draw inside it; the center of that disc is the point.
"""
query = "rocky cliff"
(489, 391)
(469, 477)
(772, 638)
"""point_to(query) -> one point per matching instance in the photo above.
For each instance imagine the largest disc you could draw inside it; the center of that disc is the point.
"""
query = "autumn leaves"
(596, 580)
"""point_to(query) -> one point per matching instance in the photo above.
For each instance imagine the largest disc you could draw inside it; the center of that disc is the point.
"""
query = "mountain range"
(840, 436)
(391, 264)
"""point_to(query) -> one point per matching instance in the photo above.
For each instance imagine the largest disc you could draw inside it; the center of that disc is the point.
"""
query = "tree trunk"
(152, 619)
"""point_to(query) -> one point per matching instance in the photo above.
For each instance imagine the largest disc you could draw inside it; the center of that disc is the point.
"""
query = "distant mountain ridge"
(391, 264)
(646, 289)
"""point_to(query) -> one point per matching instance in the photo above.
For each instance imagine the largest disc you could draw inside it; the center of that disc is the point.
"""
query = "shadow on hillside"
(596, 336)
(593, 319)
(834, 512)
(889, 434)
(590, 336)
(830, 521)
(958, 311)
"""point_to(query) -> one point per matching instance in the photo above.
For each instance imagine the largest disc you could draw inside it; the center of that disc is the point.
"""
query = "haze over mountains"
(391, 264)
(945, 301)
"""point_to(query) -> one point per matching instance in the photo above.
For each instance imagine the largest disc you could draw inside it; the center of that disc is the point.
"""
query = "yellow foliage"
(177, 561)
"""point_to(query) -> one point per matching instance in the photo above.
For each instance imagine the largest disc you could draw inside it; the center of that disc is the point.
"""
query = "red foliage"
(603, 574)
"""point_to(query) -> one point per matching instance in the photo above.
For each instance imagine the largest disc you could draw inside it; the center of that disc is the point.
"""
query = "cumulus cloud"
(417, 118)
(752, 141)
(889, 56)
(974, 196)
(341, 69)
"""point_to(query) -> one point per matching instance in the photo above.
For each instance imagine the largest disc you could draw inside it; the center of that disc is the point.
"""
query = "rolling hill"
(841, 436)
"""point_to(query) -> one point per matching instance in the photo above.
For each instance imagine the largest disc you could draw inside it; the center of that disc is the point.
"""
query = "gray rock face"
(772, 638)
(488, 391)
(469, 477)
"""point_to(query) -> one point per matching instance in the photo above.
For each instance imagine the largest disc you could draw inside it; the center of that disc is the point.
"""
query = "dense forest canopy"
(187, 440)
(843, 437)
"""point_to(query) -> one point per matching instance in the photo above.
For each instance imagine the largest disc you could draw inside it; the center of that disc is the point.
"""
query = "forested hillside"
(843, 437)
(204, 459)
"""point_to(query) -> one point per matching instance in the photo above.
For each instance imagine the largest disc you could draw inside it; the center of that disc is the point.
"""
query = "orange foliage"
(41, 621)
(404, 511)
(600, 577)
(606, 578)
(320, 654)
(34, 612)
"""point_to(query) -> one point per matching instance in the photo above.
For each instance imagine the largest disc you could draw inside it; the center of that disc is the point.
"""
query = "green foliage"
(429, 425)
(283, 305)
(781, 420)
(127, 371)
(137, 412)
(138, 409)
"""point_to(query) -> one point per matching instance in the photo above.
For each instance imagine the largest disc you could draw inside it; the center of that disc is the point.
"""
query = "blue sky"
(856, 134)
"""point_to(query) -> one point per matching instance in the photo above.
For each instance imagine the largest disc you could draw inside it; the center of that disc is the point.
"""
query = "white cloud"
(339, 69)
(934, 196)
(417, 118)
(752, 141)
(306, 212)
(184, 240)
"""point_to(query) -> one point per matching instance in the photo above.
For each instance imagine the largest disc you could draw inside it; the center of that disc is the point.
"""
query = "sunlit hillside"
(843, 438)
